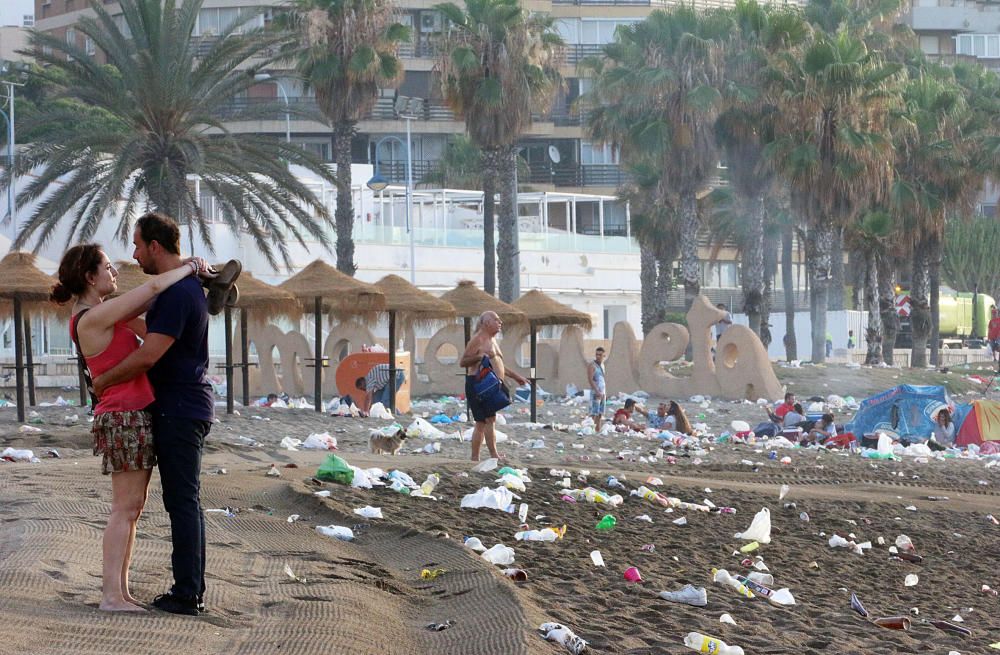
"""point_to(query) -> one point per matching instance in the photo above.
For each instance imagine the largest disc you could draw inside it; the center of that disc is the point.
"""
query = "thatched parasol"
(542, 310)
(27, 287)
(470, 301)
(340, 294)
(266, 301)
(411, 305)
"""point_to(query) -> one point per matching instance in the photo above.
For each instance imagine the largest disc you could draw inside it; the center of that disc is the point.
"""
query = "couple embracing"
(153, 405)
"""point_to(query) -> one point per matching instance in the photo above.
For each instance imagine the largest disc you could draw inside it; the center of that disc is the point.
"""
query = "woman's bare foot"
(121, 606)
(129, 598)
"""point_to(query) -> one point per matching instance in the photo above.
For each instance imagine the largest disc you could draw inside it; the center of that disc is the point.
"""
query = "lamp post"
(406, 108)
(8, 116)
(264, 77)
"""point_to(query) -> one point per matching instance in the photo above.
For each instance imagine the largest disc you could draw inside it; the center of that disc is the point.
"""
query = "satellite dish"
(554, 155)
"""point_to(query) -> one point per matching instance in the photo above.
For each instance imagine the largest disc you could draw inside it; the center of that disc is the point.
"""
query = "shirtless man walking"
(483, 342)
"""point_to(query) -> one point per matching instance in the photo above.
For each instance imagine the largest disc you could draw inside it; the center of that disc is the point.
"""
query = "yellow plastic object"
(428, 574)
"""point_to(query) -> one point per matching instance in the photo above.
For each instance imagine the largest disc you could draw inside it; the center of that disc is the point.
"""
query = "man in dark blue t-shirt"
(174, 355)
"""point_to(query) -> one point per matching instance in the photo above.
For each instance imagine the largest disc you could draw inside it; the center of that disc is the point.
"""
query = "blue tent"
(905, 411)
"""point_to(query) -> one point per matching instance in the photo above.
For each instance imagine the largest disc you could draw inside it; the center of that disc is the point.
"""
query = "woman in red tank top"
(106, 332)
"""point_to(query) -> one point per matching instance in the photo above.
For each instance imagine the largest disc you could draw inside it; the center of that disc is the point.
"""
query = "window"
(28, 20)
(587, 31)
(978, 45)
(988, 210)
(719, 275)
(213, 22)
(88, 44)
(593, 154)
(71, 36)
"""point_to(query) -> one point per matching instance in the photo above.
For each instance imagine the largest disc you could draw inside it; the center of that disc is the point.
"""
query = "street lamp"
(264, 77)
(8, 115)
(406, 108)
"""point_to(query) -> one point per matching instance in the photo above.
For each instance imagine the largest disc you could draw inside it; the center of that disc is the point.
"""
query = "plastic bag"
(487, 498)
(378, 410)
(335, 469)
(499, 554)
(320, 441)
(563, 635)
(760, 528)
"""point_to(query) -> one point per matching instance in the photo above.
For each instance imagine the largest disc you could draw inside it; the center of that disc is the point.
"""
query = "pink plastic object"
(632, 574)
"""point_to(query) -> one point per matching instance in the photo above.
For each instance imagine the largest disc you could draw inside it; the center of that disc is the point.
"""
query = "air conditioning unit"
(430, 21)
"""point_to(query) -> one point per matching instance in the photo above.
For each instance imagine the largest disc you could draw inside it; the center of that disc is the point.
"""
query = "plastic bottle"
(522, 512)
(722, 576)
(705, 644)
(607, 522)
(761, 578)
(430, 483)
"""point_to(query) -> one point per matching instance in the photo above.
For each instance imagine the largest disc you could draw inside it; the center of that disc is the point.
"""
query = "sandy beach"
(367, 595)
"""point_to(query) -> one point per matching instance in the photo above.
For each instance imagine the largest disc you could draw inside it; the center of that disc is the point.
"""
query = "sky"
(11, 11)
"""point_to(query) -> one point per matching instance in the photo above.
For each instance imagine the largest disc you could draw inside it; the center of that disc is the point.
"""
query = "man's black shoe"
(200, 604)
(176, 604)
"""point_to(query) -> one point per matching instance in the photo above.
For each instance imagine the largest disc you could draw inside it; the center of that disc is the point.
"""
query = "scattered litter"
(561, 634)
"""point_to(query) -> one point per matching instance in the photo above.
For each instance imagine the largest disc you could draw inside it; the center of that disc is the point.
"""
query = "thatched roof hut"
(341, 294)
(411, 304)
(540, 310)
(470, 301)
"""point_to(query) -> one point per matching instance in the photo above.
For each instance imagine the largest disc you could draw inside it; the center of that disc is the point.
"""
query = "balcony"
(576, 175)
(699, 5)
(574, 53)
(383, 110)
(421, 50)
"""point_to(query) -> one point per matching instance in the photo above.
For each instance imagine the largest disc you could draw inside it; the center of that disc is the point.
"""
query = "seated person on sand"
(375, 387)
(623, 417)
(778, 415)
(661, 420)
(270, 400)
(824, 429)
(944, 431)
(795, 418)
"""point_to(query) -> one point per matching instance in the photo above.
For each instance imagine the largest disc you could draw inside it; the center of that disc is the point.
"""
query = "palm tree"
(870, 236)
(935, 173)
(831, 149)
(745, 127)
(498, 66)
(658, 83)
(155, 126)
(346, 50)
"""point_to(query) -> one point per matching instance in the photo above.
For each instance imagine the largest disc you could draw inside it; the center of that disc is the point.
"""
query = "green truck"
(964, 318)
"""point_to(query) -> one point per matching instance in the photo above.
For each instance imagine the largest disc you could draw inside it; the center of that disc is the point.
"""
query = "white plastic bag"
(486, 465)
(361, 479)
(369, 512)
(320, 441)
(760, 528)
(563, 635)
(336, 531)
(423, 430)
(500, 498)
(500, 555)
(378, 410)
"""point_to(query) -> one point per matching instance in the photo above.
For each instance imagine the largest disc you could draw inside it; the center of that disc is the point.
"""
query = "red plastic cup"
(632, 574)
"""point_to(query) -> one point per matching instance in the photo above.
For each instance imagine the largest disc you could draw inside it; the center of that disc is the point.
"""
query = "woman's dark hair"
(827, 419)
(798, 409)
(945, 413)
(683, 424)
(629, 403)
(76, 264)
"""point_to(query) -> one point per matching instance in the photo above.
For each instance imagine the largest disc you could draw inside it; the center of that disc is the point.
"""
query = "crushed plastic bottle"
(545, 534)
(705, 644)
(499, 554)
(522, 512)
(430, 483)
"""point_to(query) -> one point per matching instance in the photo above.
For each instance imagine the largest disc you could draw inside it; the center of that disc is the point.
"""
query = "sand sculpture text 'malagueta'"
(739, 369)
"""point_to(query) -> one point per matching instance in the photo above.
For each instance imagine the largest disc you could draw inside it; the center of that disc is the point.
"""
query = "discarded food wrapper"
(291, 574)
(911, 580)
(369, 512)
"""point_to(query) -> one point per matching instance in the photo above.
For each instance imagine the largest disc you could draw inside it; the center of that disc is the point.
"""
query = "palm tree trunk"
(820, 251)
(753, 266)
(690, 269)
(647, 288)
(788, 282)
(934, 268)
(664, 282)
(508, 248)
(490, 170)
(767, 300)
(873, 332)
(920, 309)
(343, 134)
(835, 299)
(887, 306)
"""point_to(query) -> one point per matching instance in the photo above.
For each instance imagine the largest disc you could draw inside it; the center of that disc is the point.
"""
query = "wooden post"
(467, 324)
(534, 382)
(30, 359)
(318, 395)
(392, 361)
(229, 359)
(245, 346)
(19, 359)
